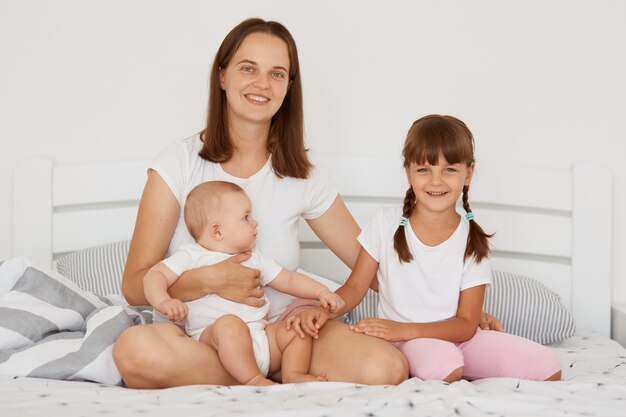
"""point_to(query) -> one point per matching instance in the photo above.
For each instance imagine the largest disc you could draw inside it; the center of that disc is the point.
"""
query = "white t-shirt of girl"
(426, 289)
(204, 311)
(277, 203)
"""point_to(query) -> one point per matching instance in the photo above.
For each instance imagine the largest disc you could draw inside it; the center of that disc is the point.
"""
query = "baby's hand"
(174, 309)
(328, 298)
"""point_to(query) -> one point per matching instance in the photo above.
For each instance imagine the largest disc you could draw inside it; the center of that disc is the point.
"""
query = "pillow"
(97, 269)
(522, 304)
(528, 308)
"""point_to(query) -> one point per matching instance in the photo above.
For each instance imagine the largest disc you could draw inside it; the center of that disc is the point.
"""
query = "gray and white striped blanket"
(50, 328)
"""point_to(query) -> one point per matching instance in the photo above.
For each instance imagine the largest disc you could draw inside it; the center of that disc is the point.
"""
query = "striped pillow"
(522, 305)
(97, 269)
(367, 308)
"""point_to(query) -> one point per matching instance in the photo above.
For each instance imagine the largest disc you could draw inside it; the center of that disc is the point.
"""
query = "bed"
(551, 254)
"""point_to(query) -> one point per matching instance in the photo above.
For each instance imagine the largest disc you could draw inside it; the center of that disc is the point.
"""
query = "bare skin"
(161, 355)
(230, 337)
(190, 362)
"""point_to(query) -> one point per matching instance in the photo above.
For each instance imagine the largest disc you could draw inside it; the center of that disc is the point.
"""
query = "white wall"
(536, 81)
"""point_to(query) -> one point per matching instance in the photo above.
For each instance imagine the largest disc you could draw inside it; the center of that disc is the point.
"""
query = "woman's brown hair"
(428, 138)
(286, 135)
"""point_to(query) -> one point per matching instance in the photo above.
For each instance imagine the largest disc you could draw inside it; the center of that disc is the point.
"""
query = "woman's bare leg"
(344, 355)
(162, 356)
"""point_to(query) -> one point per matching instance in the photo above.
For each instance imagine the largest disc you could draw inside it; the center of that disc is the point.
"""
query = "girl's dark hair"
(286, 135)
(428, 138)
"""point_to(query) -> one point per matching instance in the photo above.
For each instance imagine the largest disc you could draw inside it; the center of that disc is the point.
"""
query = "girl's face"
(438, 187)
(256, 79)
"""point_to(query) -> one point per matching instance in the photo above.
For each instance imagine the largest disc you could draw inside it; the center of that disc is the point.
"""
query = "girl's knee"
(495, 354)
(434, 359)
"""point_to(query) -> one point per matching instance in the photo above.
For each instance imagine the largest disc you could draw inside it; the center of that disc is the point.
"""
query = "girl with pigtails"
(432, 268)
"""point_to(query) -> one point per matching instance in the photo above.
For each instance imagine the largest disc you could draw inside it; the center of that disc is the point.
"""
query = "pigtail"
(399, 238)
(477, 239)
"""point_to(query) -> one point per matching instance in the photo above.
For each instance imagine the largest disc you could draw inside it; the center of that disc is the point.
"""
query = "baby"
(218, 216)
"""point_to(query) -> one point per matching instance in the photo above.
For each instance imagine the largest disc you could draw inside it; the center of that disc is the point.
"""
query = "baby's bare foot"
(260, 381)
(296, 377)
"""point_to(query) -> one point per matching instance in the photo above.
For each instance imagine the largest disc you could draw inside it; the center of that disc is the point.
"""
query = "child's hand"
(174, 309)
(389, 330)
(332, 300)
(308, 322)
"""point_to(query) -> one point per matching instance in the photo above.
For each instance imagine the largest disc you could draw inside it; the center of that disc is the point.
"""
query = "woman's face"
(256, 79)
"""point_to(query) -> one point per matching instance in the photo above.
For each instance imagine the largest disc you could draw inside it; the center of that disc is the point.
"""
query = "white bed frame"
(551, 224)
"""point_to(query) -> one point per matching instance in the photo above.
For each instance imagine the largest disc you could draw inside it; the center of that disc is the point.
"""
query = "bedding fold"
(50, 328)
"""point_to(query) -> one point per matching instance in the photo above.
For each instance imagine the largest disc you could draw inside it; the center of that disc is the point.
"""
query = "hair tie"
(469, 216)
(403, 221)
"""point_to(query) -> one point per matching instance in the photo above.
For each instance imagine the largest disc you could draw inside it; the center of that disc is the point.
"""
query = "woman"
(253, 137)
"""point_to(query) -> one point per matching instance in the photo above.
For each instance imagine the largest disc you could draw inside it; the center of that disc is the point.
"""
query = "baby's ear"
(215, 231)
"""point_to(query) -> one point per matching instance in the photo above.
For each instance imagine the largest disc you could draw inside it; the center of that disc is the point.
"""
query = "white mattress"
(594, 384)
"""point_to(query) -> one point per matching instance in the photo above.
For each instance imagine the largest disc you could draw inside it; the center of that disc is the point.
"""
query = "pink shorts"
(487, 354)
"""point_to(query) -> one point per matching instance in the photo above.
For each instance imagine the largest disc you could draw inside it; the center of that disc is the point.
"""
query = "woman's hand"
(308, 322)
(389, 330)
(235, 282)
(489, 322)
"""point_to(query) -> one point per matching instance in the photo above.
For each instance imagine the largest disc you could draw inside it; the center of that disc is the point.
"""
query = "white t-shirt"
(426, 289)
(204, 311)
(277, 203)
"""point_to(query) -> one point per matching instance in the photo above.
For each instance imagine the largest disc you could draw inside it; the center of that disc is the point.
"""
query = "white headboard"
(553, 225)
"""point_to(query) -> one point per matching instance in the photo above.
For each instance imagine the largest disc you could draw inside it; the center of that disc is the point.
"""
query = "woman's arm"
(338, 230)
(457, 329)
(156, 221)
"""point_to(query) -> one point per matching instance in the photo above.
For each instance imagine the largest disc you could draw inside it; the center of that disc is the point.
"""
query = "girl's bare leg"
(230, 337)
(344, 355)
(162, 356)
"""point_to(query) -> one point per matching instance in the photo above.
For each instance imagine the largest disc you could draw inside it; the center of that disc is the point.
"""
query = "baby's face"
(238, 226)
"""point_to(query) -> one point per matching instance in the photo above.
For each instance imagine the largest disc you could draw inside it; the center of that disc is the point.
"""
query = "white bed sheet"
(594, 384)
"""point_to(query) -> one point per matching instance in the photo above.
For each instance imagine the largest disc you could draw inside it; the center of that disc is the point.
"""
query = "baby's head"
(218, 215)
